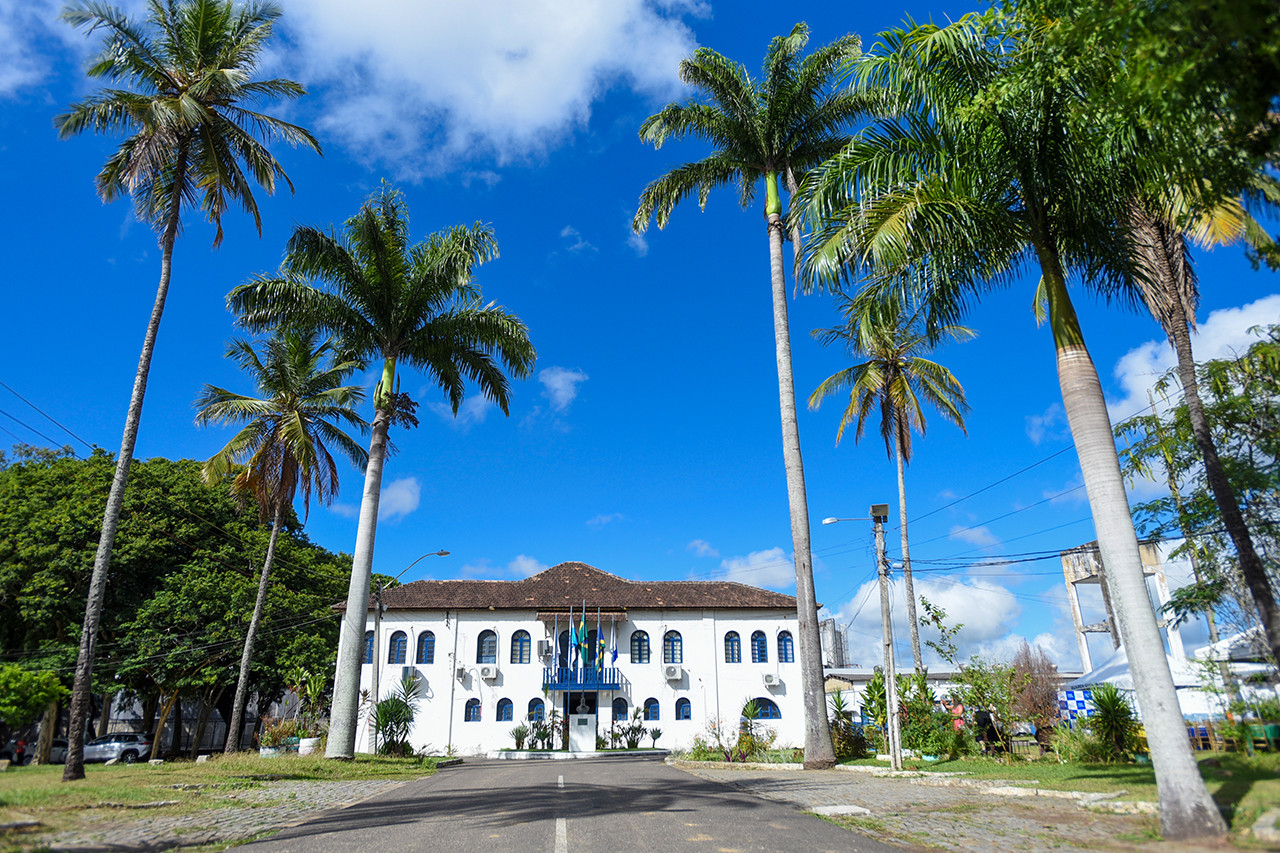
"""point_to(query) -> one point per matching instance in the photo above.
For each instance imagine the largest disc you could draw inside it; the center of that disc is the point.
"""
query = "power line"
(992, 485)
(52, 443)
(48, 416)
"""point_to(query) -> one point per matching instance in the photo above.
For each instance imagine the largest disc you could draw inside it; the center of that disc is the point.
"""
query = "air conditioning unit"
(544, 648)
(488, 671)
(772, 679)
(672, 672)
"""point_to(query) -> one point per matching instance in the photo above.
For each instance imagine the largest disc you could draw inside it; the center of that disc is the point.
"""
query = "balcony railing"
(578, 678)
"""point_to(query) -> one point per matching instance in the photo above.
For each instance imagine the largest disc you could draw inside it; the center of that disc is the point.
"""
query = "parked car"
(126, 746)
(58, 752)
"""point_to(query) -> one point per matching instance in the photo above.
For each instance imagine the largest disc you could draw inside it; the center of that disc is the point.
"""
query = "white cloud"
(601, 520)
(702, 548)
(26, 28)
(638, 243)
(1225, 333)
(1050, 424)
(344, 510)
(421, 86)
(980, 536)
(560, 386)
(399, 498)
(472, 411)
(576, 242)
(771, 568)
(485, 176)
(525, 566)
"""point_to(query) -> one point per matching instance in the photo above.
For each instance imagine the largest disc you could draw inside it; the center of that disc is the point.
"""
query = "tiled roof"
(570, 584)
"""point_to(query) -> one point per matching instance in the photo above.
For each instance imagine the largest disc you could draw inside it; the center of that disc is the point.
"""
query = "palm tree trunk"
(818, 750)
(1186, 809)
(346, 679)
(1251, 568)
(246, 657)
(906, 550)
(83, 682)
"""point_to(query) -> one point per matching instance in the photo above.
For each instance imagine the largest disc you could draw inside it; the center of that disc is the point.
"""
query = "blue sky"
(647, 443)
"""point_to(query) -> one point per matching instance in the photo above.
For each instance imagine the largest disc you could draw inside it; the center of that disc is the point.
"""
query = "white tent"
(1115, 670)
(1250, 645)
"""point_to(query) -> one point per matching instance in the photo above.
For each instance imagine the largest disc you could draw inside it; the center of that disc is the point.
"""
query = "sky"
(647, 441)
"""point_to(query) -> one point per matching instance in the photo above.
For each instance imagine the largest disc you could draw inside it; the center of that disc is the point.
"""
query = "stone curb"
(511, 755)
(1264, 828)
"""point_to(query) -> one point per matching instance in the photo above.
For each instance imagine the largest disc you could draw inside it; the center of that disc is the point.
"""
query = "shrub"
(520, 733)
(1113, 723)
(393, 718)
(276, 732)
(1077, 746)
(846, 737)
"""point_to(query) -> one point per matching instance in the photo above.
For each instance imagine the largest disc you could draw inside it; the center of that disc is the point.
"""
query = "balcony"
(584, 678)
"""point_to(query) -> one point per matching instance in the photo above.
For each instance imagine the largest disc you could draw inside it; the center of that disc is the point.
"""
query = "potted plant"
(277, 736)
(311, 692)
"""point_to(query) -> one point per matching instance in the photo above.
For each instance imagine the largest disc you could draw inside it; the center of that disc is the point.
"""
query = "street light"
(377, 616)
(879, 515)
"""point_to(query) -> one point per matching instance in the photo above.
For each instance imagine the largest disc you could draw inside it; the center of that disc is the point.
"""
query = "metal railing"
(584, 678)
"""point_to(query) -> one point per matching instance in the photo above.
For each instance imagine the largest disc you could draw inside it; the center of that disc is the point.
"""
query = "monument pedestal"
(582, 732)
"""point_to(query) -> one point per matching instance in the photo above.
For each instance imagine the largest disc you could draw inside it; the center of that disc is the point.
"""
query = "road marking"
(562, 835)
(560, 782)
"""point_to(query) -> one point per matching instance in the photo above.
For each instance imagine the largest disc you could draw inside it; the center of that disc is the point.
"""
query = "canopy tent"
(1115, 670)
(1247, 646)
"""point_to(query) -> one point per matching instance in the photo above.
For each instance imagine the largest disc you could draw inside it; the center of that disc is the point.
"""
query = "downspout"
(453, 675)
(715, 665)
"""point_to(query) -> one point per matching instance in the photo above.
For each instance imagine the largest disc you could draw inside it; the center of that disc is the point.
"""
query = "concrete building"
(491, 654)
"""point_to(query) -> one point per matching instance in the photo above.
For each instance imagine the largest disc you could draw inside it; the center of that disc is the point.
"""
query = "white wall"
(713, 687)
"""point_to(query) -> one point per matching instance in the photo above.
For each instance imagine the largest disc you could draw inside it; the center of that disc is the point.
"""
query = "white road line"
(560, 782)
(562, 835)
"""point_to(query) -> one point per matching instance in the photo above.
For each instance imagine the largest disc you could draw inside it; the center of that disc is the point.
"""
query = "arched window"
(768, 709)
(562, 649)
(639, 647)
(520, 647)
(591, 647)
(472, 714)
(487, 647)
(537, 713)
(651, 709)
(619, 709)
(732, 647)
(426, 647)
(684, 711)
(759, 648)
(504, 710)
(672, 648)
(397, 648)
(368, 647)
(786, 648)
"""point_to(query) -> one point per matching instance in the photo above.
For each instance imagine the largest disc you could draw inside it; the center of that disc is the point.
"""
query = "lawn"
(1243, 787)
(38, 793)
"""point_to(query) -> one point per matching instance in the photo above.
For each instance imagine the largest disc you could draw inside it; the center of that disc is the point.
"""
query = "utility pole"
(880, 514)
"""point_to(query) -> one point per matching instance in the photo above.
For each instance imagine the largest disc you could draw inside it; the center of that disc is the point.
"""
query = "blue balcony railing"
(578, 678)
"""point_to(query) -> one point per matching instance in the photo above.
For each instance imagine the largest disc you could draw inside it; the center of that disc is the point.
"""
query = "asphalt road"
(581, 806)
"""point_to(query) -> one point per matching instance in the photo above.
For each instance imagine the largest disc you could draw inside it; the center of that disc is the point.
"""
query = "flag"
(599, 641)
(572, 651)
(582, 635)
(613, 640)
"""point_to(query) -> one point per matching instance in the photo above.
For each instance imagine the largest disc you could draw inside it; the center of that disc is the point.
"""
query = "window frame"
(652, 706)
(521, 647)
(398, 649)
(490, 635)
(640, 643)
(672, 647)
(427, 644)
(473, 711)
(506, 706)
(732, 647)
(786, 647)
(684, 709)
(759, 647)
(368, 647)
(541, 710)
(621, 703)
(769, 709)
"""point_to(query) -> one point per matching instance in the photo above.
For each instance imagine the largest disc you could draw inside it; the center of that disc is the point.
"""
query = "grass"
(38, 793)
(1243, 787)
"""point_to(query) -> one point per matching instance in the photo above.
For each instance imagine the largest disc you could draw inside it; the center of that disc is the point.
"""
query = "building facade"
(491, 654)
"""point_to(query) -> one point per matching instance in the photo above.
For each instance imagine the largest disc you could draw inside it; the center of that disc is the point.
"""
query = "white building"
(491, 654)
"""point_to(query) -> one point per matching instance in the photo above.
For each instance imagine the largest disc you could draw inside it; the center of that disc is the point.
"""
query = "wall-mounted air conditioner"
(672, 672)
(488, 671)
(772, 679)
(544, 648)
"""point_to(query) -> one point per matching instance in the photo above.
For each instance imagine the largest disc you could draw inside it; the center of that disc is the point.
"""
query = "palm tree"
(1171, 293)
(983, 163)
(388, 299)
(773, 129)
(895, 378)
(284, 446)
(192, 137)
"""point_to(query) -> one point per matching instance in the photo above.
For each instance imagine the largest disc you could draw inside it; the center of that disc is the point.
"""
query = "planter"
(269, 751)
(308, 745)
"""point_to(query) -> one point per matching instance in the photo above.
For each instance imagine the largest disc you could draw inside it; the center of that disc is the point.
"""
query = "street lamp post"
(879, 514)
(377, 618)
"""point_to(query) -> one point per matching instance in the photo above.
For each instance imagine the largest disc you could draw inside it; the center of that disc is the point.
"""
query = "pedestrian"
(957, 714)
(20, 752)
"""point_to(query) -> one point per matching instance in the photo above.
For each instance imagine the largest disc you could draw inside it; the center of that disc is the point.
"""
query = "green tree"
(24, 694)
(988, 158)
(416, 304)
(188, 77)
(897, 379)
(284, 446)
(771, 130)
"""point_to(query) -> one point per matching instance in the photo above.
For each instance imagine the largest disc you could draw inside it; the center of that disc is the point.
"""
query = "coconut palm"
(401, 303)
(1171, 293)
(773, 130)
(897, 379)
(984, 163)
(193, 136)
(283, 448)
